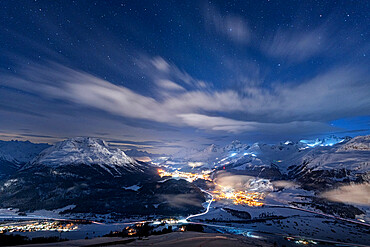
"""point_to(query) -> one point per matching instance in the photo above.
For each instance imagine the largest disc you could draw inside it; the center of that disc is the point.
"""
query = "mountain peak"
(211, 148)
(236, 146)
(83, 150)
(20, 152)
(327, 141)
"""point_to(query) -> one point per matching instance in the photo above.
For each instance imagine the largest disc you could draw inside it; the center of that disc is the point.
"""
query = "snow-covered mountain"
(14, 154)
(236, 146)
(324, 142)
(341, 158)
(326, 166)
(332, 162)
(358, 143)
(207, 158)
(20, 152)
(238, 156)
(86, 151)
(263, 160)
(96, 178)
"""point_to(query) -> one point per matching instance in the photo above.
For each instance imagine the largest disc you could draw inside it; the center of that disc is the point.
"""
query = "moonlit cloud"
(282, 107)
(167, 74)
(215, 123)
(284, 184)
(231, 26)
(358, 194)
(169, 85)
(232, 181)
(228, 181)
(160, 64)
(296, 46)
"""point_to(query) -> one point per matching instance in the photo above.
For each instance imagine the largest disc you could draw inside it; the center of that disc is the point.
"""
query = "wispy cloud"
(233, 27)
(167, 75)
(282, 107)
(296, 46)
(215, 123)
(169, 85)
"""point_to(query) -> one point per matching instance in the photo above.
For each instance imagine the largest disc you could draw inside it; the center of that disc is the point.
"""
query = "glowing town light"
(229, 195)
(185, 175)
(252, 199)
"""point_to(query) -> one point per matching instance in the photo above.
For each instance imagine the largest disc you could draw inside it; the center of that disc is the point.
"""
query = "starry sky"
(165, 75)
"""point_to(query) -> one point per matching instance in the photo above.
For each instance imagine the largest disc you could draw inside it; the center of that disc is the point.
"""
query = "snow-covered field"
(286, 222)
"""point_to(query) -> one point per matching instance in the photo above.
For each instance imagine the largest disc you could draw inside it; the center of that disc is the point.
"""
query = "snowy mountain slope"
(211, 152)
(241, 156)
(353, 155)
(236, 146)
(86, 151)
(14, 154)
(358, 143)
(328, 141)
(198, 154)
(135, 153)
(339, 156)
(281, 155)
(210, 157)
(329, 165)
(334, 160)
(19, 152)
(86, 172)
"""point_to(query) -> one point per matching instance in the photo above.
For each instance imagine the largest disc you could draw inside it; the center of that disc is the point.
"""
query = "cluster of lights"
(130, 231)
(186, 175)
(252, 199)
(39, 226)
(168, 221)
(301, 241)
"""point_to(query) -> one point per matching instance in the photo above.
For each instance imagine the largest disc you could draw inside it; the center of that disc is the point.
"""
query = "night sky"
(162, 75)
